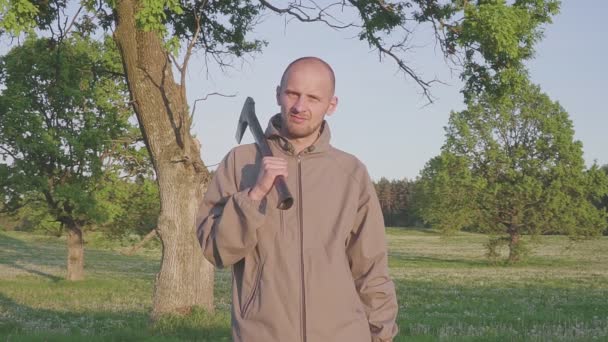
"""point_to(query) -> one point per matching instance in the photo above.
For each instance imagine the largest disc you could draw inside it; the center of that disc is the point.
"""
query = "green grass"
(447, 291)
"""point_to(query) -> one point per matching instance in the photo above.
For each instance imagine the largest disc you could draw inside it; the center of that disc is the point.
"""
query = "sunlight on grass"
(447, 291)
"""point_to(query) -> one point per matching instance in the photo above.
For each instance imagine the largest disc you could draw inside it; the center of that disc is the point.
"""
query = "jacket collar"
(274, 135)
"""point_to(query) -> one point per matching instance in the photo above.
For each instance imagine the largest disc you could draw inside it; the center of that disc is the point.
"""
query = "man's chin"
(298, 134)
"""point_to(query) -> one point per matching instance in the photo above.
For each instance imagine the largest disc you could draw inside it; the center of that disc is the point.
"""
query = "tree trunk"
(185, 278)
(75, 253)
(514, 255)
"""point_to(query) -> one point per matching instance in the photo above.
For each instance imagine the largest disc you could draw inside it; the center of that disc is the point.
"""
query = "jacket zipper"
(300, 215)
(282, 222)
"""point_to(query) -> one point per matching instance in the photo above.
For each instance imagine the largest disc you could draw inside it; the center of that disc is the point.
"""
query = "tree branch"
(15, 208)
(301, 12)
(197, 19)
(67, 30)
(9, 153)
(297, 12)
(205, 98)
(376, 42)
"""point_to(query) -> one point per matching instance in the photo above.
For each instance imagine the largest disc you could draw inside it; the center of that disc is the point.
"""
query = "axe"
(248, 118)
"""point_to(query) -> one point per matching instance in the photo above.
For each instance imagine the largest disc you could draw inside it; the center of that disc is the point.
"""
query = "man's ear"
(278, 95)
(333, 105)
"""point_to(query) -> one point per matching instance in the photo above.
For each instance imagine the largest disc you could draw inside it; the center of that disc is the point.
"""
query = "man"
(314, 273)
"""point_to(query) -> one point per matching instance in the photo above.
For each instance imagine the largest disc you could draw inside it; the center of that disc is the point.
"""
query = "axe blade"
(248, 108)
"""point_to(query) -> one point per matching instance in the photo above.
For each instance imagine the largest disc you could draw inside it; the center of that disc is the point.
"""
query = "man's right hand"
(271, 168)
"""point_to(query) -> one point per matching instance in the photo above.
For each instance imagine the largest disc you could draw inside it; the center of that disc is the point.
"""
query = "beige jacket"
(314, 273)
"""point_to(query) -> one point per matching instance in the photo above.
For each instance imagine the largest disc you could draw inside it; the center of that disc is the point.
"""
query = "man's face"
(305, 97)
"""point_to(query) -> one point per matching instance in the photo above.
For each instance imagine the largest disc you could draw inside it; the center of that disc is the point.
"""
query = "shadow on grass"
(408, 230)
(23, 323)
(48, 259)
(398, 259)
(13, 252)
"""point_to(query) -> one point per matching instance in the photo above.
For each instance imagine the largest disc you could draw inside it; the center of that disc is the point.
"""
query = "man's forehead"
(306, 65)
(301, 82)
(310, 62)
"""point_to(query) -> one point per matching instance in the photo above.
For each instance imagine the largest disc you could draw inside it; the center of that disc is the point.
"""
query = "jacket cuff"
(254, 210)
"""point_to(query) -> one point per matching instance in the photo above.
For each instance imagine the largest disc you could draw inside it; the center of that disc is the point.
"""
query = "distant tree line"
(402, 200)
(603, 204)
(396, 201)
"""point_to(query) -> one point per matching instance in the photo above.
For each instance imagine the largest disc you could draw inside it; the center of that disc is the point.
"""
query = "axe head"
(246, 112)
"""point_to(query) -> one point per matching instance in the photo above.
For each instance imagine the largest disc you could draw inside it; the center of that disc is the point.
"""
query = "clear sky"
(381, 116)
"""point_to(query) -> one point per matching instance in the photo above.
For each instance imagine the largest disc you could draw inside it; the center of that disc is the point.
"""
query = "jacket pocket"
(254, 290)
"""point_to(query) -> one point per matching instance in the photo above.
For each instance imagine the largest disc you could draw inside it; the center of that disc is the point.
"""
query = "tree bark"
(514, 255)
(75, 253)
(185, 278)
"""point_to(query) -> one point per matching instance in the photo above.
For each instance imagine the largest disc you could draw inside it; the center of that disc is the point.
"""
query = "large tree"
(510, 166)
(63, 108)
(149, 33)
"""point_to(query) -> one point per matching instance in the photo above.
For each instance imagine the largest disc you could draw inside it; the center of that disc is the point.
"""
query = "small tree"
(510, 166)
(63, 108)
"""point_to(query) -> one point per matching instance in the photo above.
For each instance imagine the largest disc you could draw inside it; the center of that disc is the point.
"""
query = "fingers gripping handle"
(248, 118)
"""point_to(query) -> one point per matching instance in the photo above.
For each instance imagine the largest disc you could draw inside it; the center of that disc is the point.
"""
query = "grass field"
(447, 291)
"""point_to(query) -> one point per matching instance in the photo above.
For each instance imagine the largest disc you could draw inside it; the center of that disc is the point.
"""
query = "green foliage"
(505, 34)
(153, 14)
(395, 201)
(136, 209)
(7, 223)
(447, 176)
(224, 26)
(23, 16)
(17, 16)
(602, 204)
(510, 165)
(64, 105)
(379, 17)
(36, 217)
(497, 38)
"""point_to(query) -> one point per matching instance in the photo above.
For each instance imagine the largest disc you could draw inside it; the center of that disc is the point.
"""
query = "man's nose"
(299, 105)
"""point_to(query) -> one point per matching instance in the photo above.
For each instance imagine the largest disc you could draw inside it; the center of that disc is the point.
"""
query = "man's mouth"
(297, 118)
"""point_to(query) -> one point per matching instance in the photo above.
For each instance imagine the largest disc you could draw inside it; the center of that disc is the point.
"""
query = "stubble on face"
(306, 95)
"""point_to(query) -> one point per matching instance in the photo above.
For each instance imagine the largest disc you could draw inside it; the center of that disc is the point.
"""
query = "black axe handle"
(285, 197)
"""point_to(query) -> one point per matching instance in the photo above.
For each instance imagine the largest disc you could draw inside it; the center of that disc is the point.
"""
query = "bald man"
(317, 272)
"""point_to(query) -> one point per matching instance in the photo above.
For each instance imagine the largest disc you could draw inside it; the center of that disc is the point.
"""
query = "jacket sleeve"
(367, 254)
(227, 220)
